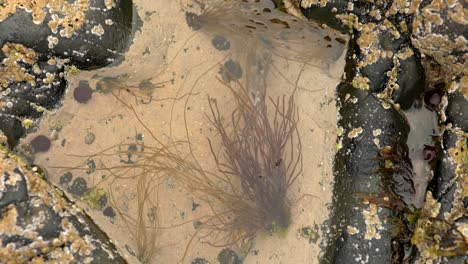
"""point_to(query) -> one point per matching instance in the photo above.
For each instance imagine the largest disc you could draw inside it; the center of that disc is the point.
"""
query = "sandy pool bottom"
(79, 129)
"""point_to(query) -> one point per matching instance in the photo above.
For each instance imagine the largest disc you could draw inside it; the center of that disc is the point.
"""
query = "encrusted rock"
(439, 31)
(39, 224)
(30, 83)
(91, 33)
(39, 38)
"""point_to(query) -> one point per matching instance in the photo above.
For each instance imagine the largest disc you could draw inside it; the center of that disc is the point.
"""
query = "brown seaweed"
(398, 169)
(148, 168)
(261, 157)
(144, 226)
(256, 154)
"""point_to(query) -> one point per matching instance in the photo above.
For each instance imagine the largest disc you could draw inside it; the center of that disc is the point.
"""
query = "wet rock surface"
(39, 224)
(38, 39)
(90, 33)
(366, 126)
(403, 54)
(40, 43)
(30, 84)
(400, 51)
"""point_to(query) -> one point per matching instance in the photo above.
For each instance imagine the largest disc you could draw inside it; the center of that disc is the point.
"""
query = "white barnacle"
(98, 30)
(355, 132)
(373, 222)
(52, 41)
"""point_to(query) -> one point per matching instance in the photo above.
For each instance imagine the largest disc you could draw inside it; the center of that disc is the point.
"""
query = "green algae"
(96, 198)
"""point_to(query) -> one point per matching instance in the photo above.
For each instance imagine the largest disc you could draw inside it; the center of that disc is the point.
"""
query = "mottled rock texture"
(400, 51)
(40, 225)
(91, 33)
(38, 39)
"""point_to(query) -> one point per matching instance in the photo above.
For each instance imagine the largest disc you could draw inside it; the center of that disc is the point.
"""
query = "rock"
(39, 223)
(457, 110)
(439, 31)
(91, 33)
(37, 40)
(30, 83)
(400, 52)
(446, 205)
(366, 124)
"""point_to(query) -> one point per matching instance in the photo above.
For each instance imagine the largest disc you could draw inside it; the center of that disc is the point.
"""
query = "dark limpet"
(83, 92)
(310, 233)
(78, 187)
(228, 256)
(89, 138)
(429, 153)
(200, 261)
(197, 224)
(130, 250)
(221, 43)
(231, 71)
(65, 178)
(193, 21)
(109, 212)
(41, 143)
(103, 201)
(195, 206)
(91, 166)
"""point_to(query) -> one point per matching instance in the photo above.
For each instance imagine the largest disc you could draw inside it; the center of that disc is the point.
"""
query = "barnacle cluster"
(68, 16)
(50, 227)
(11, 70)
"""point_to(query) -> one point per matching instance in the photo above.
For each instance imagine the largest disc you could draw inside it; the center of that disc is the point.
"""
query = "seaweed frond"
(261, 158)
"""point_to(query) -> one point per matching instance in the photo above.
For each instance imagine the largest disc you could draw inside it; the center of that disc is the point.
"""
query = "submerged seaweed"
(255, 153)
(260, 158)
(258, 33)
(146, 170)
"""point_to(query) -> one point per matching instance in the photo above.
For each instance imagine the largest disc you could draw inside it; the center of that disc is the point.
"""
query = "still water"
(159, 148)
